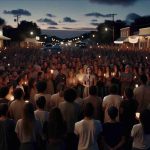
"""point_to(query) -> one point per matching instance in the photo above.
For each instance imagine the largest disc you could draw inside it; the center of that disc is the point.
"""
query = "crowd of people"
(85, 99)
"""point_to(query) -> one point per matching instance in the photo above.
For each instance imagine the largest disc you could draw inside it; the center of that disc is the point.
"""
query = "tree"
(28, 29)
(2, 22)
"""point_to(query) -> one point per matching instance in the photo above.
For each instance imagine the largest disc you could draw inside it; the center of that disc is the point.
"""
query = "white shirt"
(88, 130)
(140, 140)
(109, 101)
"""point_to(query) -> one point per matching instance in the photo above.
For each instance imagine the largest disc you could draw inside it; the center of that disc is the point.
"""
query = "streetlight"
(31, 33)
(113, 36)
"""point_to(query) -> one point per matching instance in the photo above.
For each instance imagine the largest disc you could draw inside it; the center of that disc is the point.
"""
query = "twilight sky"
(70, 14)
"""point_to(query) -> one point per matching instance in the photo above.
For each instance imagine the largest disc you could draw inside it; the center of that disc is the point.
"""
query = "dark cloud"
(67, 28)
(20, 12)
(48, 21)
(115, 2)
(52, 28)
(132, 16)
(2, 21)
(94, 20)
(96, 14)
(68, 19)
(50, 15)
(87, 29)
(94, 24)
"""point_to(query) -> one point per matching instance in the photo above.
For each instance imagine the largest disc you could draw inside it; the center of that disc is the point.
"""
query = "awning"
(121, 40)
(4, 38)
(133, 39)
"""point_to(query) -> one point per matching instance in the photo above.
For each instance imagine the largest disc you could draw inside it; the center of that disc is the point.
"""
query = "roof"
(4, 38)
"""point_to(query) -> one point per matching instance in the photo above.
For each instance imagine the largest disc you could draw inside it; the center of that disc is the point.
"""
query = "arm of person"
(120, 143)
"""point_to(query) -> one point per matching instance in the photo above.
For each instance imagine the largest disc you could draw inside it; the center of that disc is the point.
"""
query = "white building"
(2, 38)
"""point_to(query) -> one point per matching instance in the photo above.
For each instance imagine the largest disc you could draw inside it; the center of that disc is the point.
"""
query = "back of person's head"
(41, 102)
(60, 87)
(3, 109)
(55, 115)
(143, 79)
(113, 89)
(93, 90)
(129, 93)
(4, 91)
(41, 86)
(88, 110)
(28, 111)
(145, 120)
(18, 93)
(113, 112)
(70, 95)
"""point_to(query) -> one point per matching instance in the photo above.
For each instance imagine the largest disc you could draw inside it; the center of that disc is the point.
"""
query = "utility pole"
(113, 27)
(17, 17)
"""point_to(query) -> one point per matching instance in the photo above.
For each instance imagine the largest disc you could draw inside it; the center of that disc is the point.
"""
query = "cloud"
(50, 15)
(97, 15)
(94, 24)
(67, 28)
(2, 21)
(87, 29)
(20, 12)
(132, 16)
(52, 28)
(115, 2)
(68, 19)
(94, 20)
(48, 21)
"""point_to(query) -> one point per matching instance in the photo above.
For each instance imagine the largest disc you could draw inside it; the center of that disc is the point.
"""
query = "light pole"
(113, 36)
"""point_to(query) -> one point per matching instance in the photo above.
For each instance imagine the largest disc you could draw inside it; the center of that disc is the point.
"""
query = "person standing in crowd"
(3, 93)
(71, 113)
(55, 130)
(57, 98)
(141, 132)
(128, 109)
(29, 130)
(88, 129)
(16, 107)
(89, 79)
(95, 101)
(8, 137)
(40, 113)
(142, 93)
(113, 99)
(41, 88)
(113, 131)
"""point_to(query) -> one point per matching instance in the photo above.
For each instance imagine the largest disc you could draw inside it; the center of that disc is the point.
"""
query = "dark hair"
(113, 112)
(144, 118)
(56, 124)
(41, 86)
(18, 93)
(60, 87)
(129, 93)
(143, 79)
(28, 118)
(3, 109)
(93, 90)
(88, 110)
(41, 102)
(113, 89)
(4, 91)
(70, 95)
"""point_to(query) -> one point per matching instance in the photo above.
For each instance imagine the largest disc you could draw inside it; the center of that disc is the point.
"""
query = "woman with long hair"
(28, 129)
(55, 130)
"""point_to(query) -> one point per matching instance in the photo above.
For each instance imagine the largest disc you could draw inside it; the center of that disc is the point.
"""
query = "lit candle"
(137, 114)
(136, 85)
(52, 71)
(12, 98)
